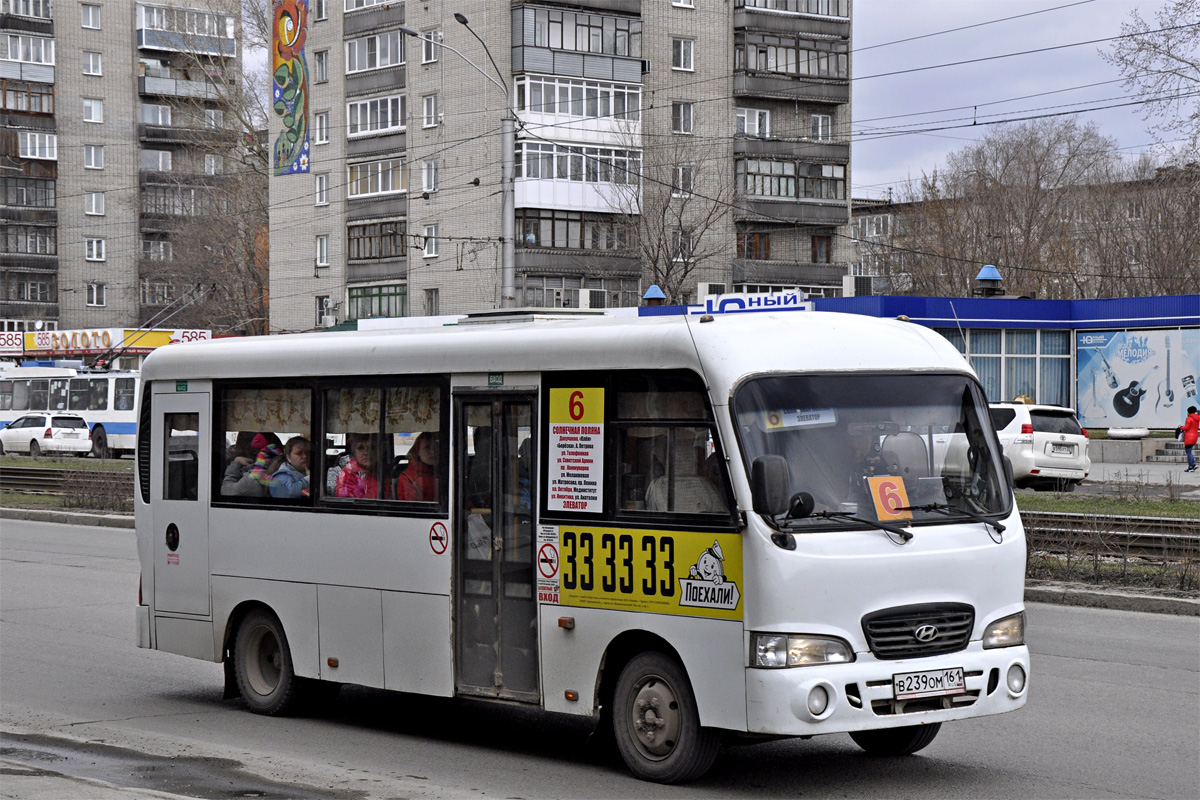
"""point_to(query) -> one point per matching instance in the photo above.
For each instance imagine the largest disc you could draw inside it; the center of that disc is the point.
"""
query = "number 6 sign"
(887, 492)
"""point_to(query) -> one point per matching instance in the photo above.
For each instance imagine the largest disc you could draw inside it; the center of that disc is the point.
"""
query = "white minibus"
(694, 529)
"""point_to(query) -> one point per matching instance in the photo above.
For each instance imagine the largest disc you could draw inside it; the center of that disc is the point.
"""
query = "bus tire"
(1, 448)
(656, 722)
(99, 442)
(896, 741)
(263, 663)
(35, 449)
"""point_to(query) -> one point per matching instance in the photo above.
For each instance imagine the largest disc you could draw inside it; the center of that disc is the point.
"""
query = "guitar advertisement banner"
(1136, 379)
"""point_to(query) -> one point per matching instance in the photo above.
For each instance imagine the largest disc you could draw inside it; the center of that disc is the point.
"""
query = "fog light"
(818, 701)
(1016, 679)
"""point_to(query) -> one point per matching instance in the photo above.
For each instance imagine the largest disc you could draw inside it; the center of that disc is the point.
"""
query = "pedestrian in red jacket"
(1191, 433)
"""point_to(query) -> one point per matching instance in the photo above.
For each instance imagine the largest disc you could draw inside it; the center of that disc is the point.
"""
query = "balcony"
(372, 20)
(766, 20)
(47, 311)
(29, 215)
(633, 7)
(749, 270)
(177, 87)
(378, 269)
(388, 79)
(593, 263)
(151, 39)
(17, 23)
(21, 71)
(803, 148)
(793, 211)
(377, 207)
(375, 145)
(749, 83)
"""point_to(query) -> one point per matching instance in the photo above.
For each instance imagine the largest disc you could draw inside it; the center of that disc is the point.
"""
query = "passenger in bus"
(291, 479)
(693, 493)
(419, 480)
(241, 478)
(357, 478)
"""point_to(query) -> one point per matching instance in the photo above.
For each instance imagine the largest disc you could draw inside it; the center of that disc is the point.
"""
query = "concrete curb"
(1063, 594)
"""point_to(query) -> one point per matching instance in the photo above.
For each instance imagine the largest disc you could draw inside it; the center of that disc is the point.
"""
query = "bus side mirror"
(770, 485)
(1008, 471)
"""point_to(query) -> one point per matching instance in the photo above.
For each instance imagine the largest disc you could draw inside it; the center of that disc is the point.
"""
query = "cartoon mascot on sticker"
(709, 566)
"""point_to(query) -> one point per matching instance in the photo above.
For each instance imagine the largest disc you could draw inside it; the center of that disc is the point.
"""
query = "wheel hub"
(656, 718)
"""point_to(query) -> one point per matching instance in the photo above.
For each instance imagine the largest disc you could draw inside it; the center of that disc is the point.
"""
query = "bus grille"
(893, 632)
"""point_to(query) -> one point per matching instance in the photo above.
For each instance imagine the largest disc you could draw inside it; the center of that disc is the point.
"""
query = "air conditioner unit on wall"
(705, 289)
(328, 321)
(593, 298)
(859, 285)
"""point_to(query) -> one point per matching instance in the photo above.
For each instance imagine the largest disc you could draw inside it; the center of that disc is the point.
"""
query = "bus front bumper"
(806, 701)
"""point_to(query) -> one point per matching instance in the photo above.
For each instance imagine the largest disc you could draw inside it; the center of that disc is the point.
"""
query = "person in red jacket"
(1191, 433)
(419, 480)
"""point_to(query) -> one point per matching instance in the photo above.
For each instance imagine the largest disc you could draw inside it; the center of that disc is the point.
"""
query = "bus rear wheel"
(263, 664)
(896, 741)
(656, 722)
(99, 442)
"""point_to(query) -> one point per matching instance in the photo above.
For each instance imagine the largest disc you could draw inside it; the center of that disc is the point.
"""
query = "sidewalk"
(1147, 472)
(26, 782)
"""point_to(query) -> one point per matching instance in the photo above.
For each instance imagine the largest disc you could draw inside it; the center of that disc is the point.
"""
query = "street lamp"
(508, 139)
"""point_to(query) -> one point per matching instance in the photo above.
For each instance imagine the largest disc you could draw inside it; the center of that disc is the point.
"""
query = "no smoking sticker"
(439, 539)
(547, 564)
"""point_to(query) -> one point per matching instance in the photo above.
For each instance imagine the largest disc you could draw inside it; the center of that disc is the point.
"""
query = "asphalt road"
(1114, 712)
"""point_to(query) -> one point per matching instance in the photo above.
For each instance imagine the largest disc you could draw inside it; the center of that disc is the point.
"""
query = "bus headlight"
(1007, 632)
(775, 650)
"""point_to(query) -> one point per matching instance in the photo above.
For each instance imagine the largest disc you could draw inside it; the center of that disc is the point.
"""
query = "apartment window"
(91, 15)
(681, 246)
(754, 245)
(321, 193)
(753, 122)
(760, 178)
(93, 109)
(159, 160)
(685, 180)
(156, 293)
(93, 250)
(36, 290)
(153, 114)
(682, 54)
(96, 294)
(577, 98)
(321, 128)
(681, 117)
(319, 10)
(572, 230)
(354, 5)
(323, 250)
(377, 301)
(39, 240)
(323, 308)
(36, 192)
(36, 98)
(214, 118)
(93, 203)
(548, 161)
(431, 241)
(91, 63)
(430, 115)
(375, 241)
(822, 126)
(433, 302)
(429, 176)
(30, 49)
(387, 176)
(213, 164)
(377, 115)
(824, 181)
(787, 55)
(41, 9)
(157, 250)
(579, 31)
(93, 156)
(374, 52)
(42, 146)
(822, 247)
(429, 45)
(683, 3)
(321, 66)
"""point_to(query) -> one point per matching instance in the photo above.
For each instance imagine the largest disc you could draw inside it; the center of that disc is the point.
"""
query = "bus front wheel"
(896, 741)
(263, 664)
(656, 722)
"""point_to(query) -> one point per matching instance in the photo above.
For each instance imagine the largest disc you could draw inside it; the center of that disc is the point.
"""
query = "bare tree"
(678, 214)
(1161, 60)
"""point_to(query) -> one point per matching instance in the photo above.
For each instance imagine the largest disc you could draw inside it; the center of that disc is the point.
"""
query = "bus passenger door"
(179, 488)
(496, 606)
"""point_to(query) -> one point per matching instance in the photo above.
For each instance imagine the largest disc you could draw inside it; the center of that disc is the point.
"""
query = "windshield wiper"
(874, 523)
(949, 510)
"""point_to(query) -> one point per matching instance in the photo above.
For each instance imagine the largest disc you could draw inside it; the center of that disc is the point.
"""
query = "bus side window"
(124, 394)
(254, 426)
(353, 414)
(39, 391)
(59, 393)
(79, 394)
(6, 395)
(98, 396)
(182, 456)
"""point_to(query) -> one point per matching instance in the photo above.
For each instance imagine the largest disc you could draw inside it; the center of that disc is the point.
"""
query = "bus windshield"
(878, 447)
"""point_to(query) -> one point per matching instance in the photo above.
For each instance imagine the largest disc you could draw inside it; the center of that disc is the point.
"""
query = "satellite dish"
(37, 326)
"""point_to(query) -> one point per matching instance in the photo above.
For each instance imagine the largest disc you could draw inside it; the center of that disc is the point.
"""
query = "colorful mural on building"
(290, 90)
(1144, 379)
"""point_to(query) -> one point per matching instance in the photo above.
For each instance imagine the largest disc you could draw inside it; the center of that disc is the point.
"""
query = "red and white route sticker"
(547, 564)
(439, 538)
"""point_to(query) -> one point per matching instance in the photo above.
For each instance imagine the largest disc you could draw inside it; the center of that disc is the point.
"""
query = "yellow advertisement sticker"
(888, 494)
(665, 572)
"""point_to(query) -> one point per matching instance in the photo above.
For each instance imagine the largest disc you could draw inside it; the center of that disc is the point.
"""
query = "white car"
(43, 432)
(1046, 445)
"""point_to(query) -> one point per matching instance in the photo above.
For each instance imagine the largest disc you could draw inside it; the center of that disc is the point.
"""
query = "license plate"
(1061, 449)
(66, 435)
(909, 685)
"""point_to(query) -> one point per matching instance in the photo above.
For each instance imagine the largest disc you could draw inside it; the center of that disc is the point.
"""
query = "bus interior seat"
(906, 456)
